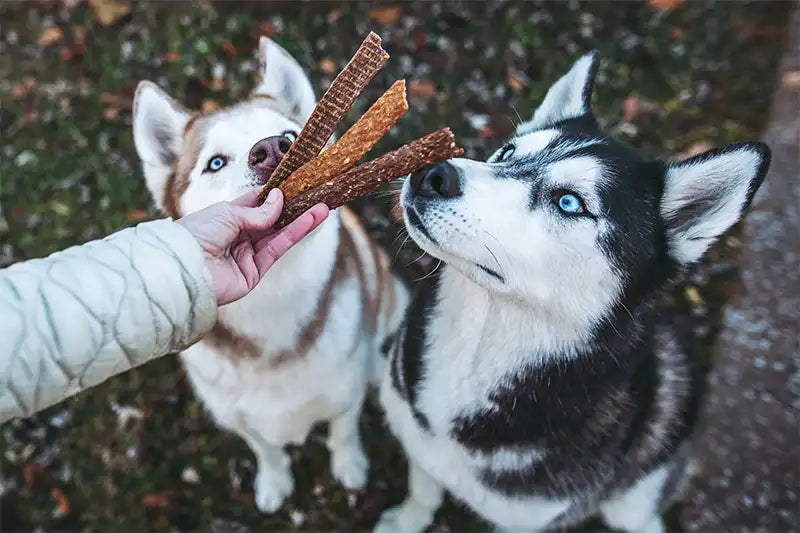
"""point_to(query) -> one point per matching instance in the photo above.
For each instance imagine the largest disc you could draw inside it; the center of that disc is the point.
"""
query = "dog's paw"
(272, 489)
(402, 519)
(350, 467)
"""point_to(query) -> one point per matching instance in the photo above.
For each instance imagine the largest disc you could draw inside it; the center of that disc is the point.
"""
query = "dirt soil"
(139, 453)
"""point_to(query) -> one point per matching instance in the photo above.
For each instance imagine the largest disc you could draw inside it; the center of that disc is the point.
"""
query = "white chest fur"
(458, 376)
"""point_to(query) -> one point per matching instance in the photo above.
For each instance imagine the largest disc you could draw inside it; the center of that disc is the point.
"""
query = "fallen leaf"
(384, 16)
(630, 108)
(31, 472)
(420, 39)
(209, 106)
(171, 56)
(229, 48)
(515, 82)
(110, 113)
(334, 15)
(158, 500)
(665, 5)
(217, 84)
(21, 89)
(791, 80)
(694, 296)
(75, 51)
(80, 34)
(49, 37)
(107, 12)
(137, 215)
(421, 89)
(327, 65)
(62, 503)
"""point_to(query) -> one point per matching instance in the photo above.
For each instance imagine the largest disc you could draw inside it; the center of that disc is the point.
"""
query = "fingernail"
(272, 197)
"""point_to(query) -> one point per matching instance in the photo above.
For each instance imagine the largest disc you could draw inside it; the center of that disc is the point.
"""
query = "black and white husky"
(535, 378)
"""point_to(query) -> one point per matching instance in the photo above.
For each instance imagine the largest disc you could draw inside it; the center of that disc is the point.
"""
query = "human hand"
(239, 244)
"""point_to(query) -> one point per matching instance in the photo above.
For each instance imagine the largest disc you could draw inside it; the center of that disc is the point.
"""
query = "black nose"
(267, 153)
(438, 181)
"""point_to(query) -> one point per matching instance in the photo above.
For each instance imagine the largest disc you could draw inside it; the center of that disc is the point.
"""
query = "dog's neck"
(295, 282)
(529, 328)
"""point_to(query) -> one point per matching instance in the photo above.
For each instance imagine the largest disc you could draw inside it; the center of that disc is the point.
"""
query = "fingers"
(269, 249)
(248, 199)
(257, 218)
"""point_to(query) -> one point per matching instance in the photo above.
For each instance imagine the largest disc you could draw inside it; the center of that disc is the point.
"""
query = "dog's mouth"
(429, 243)
(414, 220)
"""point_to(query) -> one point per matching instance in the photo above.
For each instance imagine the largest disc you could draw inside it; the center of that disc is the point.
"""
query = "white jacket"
(82, 315)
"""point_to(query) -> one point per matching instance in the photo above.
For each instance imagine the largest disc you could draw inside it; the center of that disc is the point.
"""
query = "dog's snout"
(438, 181)
(267, 153)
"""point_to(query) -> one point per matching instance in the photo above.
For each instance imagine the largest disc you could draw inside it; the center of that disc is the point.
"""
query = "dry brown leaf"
(107, 12)
(630, 108)
(791, 80)
(62, 503)
(158, 500)
(31, 471)
(49, 37)
(229, 48)
(334, 15)
(137, 215)
(515, 82)
(209, 106)
(21, 89)
(170, 56)
(327, 65)
(421, 89)
(665, 5)
(110, 113)
(385, 16)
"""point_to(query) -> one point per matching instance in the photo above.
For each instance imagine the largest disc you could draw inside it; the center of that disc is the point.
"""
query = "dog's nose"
(438, 181)
(267, 153)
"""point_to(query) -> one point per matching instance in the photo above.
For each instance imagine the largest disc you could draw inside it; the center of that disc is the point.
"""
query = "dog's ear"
(707, 194)
(569, 97)
(158, 123)
(283, 79)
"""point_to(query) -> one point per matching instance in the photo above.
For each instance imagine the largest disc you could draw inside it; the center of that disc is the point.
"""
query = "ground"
(139, 453)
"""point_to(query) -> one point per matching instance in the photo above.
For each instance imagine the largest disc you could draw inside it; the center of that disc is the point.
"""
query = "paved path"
(749, 461)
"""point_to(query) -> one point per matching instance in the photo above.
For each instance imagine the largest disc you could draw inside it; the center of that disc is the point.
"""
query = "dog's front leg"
(425, 495)
(274, 482)
(349, 463)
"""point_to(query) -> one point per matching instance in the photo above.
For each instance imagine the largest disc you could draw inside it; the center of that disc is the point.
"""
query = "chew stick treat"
(433, 148)
(353, 145)
(329, 112)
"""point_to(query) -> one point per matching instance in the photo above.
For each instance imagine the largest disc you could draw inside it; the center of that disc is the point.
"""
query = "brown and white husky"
(302, 347)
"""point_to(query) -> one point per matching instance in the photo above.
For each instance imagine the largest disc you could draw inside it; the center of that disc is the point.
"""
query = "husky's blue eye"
(216, 163)
(570, 203)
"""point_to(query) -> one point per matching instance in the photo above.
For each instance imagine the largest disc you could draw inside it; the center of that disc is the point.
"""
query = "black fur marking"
(415, 221)
(492, 273)
(408, 366)
(387, 343)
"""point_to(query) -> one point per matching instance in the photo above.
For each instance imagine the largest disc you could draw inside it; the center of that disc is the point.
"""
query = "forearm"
(78, 317)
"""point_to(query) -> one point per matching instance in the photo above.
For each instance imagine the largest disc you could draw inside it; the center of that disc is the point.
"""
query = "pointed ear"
(158, 123)
(569, 97)
(283, 79)
(707, 194)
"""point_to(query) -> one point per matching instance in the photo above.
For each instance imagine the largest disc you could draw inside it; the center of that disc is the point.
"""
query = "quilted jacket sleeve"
(82, 315)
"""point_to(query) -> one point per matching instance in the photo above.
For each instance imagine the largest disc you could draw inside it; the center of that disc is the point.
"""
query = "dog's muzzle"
(266, 154)
(440, 181)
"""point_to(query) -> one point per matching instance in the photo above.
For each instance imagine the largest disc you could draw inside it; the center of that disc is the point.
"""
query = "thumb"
(261, 217)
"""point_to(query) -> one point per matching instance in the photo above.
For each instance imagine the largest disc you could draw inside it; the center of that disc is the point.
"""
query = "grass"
(698, 75)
